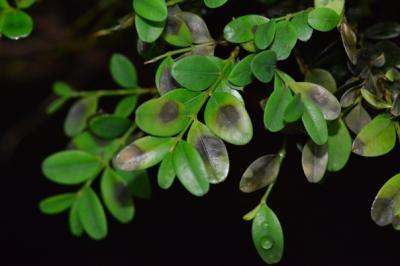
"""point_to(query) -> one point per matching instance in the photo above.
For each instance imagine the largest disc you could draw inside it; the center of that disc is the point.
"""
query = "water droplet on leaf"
(266, 243)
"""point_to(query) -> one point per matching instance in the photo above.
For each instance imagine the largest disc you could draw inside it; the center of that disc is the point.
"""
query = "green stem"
(119, 92)
(179, 51)
(291, 15)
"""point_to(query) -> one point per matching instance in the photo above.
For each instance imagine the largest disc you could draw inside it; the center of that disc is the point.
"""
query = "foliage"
(197, 107)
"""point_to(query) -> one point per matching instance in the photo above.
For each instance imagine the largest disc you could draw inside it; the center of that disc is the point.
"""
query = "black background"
(326, 224)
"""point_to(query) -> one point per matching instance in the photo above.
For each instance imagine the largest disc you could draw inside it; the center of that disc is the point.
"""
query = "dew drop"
(266, 243)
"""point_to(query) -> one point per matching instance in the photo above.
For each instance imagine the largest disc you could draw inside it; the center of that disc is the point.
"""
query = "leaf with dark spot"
(357, 118)
(315, 161)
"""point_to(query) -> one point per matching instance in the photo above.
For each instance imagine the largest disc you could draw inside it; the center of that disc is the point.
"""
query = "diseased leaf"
(374, 101)
(377, 138)
(227, 118)
(357, 118)
(267, 235)
(261, 173)
(241, 29)
(143, 153)
(164, 80)
(77, 116)
(350, 97)
(315, 161)
(177, 32)
(212, 151)
(197, 27)
(190, 169)
(349, 40)
(321, 77)
(383, 30)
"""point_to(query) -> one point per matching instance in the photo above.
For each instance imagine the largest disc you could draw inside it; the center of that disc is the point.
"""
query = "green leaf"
(314, 161)
(75, 225)
(162, 117)
(242, 29)
(177, 33)
(77, 116)
(277, 103)
(164, 80)
(123, 71)
(198, 28)
(263, 66)
(57, 204)
(323, 19)
(143, 153)
(56, 105)
(227, 118)
(154, 10)
(300, 23)
(267, 235)
(88, 143)
(241, 74)
(336, 5)
(126, 106)
(265, 35)
(91, 214)
(16, 24)
(71, 167)
(62, 89)
(377, 138)
(385, 209)
(109, 126)
(322, 78)
(195, 72)
(148, 31)
(261, 173)
(294, 109)
(166, 173)
(190, 169)
(285, 39)
(22, 4)
(320, 96)
(192, 100)
(138, 183)
(115, 194)
(212, 151)
(357, 118)
(225, 86)
(215, 3)
(339, 145)
(314, 123)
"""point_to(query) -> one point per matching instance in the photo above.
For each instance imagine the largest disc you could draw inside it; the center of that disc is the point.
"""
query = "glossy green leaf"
(285, 39)
(62, 89)
(126, 106)
(56, 105)
(267, 235)
(322, 78)
(225, 86)
(263, 66)
(143, 153)
(57, 204)
(25, 3)
(212, 151)
(138, 183)
(75, 224)
(195, 72)
(197, 27)
(154, 10)
(161, 117)
(115, 194)
(339, 145)
(336, 5)
(241, 74)
(265, 35)
(320, 96)
(275, 108)
(215, 3)
(91, 214)
(357, 118)
(314, 161)
(227, 118)
(89, 143)
(109, 126)
(314, 123)
(78, 115)
(166, 173)
(261, 173)
(242, 29)
(303, 29)
(16, 24)
(377, 138)
(177, 33)
(294, 109)
(123, 71)
(385, 209)
(323, 19)
(148, 31)
(190, 169)
(71, 167)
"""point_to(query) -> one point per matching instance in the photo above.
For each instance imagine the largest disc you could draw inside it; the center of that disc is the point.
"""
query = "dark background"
(326, 224)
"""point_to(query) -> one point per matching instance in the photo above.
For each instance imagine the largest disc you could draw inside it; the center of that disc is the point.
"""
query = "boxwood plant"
(183, 123)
